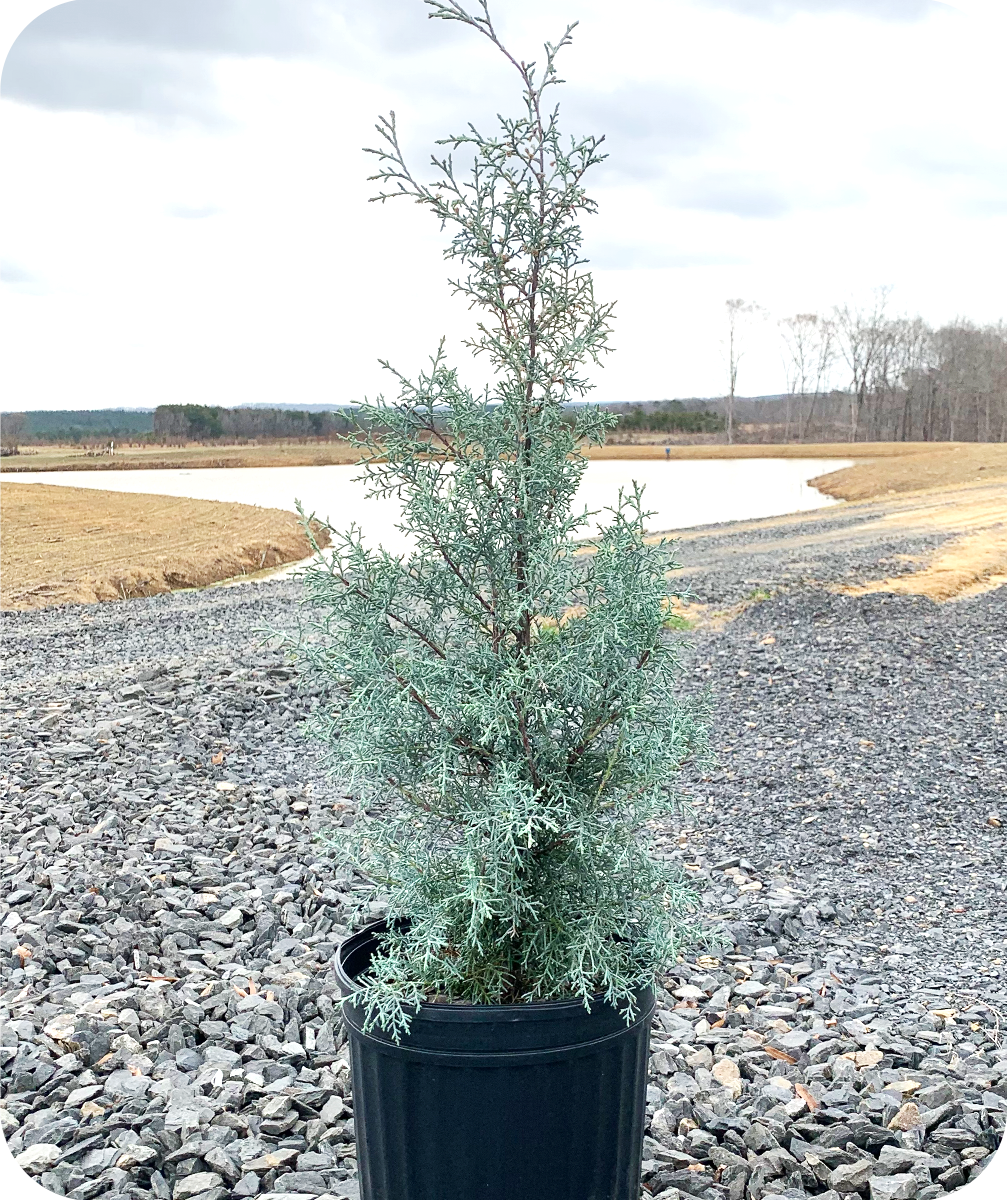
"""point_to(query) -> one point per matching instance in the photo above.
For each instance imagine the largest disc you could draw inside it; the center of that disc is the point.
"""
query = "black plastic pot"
(497, 1102)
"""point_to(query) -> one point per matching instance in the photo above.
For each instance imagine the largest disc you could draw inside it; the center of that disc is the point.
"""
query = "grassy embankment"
(79, 545)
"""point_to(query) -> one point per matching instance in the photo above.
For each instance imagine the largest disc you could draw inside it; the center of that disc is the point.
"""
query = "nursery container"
(542, 1101)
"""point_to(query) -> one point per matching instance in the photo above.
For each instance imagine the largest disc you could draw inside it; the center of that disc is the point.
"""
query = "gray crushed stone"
(168, 919)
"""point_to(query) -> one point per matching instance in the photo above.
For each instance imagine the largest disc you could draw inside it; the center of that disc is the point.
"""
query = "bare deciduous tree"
(737, 311)
(809, 353)
(908, 382)
(12, 430)
(860, 338)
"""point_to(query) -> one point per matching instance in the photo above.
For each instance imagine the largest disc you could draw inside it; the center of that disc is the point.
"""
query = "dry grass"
(80, 545)
(958, 486)
(145, 458)
(320, 454)
(967, 566)
(938, 465)
(656, 449)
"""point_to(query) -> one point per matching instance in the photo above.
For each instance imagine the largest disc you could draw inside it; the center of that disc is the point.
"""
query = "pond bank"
(679, 494)
(78, 546)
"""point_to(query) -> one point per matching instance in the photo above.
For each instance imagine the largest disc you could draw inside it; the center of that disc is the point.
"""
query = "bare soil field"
(324, 454)
(78, 545)
(146, 458)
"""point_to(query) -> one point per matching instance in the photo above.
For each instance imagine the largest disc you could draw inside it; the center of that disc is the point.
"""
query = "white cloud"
(193, 212)
(877, 10)
(189, 203)
(11, 272)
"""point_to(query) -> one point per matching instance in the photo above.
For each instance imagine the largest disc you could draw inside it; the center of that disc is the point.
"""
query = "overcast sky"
(184, 206)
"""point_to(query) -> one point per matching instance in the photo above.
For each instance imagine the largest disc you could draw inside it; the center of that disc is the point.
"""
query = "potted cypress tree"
(506, 715)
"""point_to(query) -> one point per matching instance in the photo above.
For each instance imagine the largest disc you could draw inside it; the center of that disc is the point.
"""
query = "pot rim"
(465, 1008)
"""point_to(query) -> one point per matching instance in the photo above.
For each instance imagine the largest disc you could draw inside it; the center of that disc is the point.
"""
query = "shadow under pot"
(542, 1101)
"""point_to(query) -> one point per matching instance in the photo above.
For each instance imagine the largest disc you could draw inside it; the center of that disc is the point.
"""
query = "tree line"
(854, 374)
(74, 427)
(666, 416)
(201, 423)
(860, 374)
(196, 422)
(11, 432)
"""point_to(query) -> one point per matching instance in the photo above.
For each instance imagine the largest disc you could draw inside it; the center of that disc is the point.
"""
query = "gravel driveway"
(168, 922)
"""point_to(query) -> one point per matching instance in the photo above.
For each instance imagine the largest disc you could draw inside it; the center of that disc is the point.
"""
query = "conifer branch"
(505, 706)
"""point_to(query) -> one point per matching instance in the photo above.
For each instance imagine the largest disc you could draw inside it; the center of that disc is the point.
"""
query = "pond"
(681, 493)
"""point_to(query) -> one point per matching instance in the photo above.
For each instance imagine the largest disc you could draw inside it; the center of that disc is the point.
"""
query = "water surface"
(681, 493)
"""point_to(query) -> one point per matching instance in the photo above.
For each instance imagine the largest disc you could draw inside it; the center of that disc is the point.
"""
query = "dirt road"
(945, 543)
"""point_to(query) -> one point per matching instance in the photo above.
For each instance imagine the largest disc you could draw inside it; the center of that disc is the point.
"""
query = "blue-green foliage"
(506, 707)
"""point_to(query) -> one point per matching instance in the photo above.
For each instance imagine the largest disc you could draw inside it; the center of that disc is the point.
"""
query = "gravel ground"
(168, 920)
(725, 564)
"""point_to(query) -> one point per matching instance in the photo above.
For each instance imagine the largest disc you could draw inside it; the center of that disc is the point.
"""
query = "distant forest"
(180, 423)
(196, 423)
(200, 423)
(668, 416)
(171, 423)
(855, 375)
(860, 374)
(84, 425)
